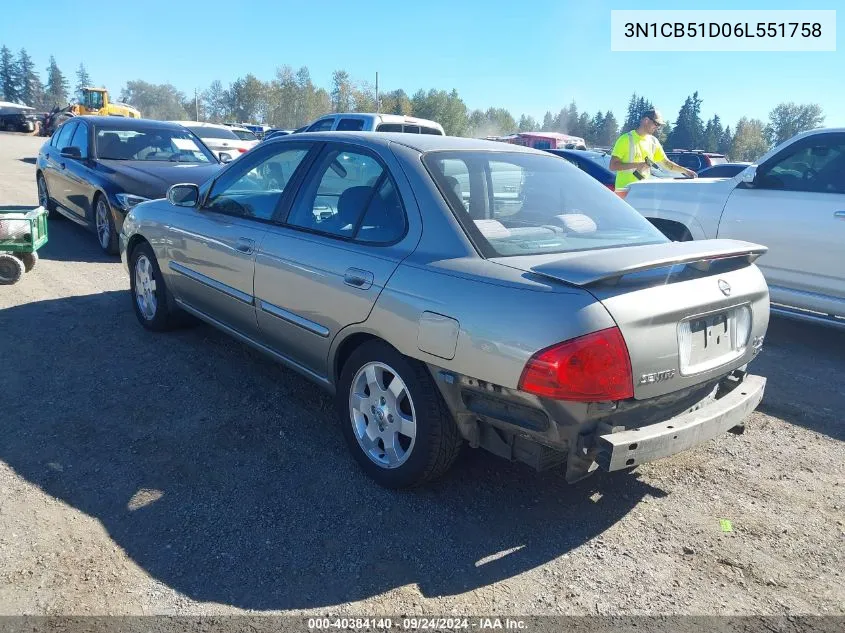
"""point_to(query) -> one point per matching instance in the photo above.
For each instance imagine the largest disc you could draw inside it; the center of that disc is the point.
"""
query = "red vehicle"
(542, 140)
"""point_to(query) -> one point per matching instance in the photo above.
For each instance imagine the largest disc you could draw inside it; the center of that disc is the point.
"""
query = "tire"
(104, 225)
(29, 260)
(44, 198)
(150, 300)
(11, 269)
(435, 442)
(673, 230)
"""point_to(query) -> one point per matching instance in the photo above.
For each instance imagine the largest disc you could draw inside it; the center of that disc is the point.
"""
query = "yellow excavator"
(89, 101)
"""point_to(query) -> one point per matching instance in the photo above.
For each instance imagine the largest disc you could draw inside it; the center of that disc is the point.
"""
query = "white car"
(221, 139)
(792, 201)
(373, 122)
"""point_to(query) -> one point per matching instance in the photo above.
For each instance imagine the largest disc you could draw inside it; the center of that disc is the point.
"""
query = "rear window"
(245, 135)
(526, 204)
(350, 125)
(214, 132)
(409, 129)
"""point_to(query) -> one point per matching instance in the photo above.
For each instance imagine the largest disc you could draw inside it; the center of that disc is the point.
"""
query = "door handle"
(358, 278)
(245, 245)
(62, 165)
(839, 215)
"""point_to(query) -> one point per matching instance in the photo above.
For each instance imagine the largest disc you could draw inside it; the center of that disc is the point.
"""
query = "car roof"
(119, 122)
(419, 142)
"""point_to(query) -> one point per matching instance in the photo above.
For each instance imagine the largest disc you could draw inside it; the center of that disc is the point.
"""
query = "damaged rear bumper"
(625, 449)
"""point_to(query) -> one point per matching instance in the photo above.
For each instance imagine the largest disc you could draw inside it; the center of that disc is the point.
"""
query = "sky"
(528, 57)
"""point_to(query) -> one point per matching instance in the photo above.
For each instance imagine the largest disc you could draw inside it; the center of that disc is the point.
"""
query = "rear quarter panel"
(498, 322)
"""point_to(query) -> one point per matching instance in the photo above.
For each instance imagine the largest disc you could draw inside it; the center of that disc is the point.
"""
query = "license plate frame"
(707, 341)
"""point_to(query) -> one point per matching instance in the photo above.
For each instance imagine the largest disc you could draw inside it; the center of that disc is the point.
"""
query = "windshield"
(175, 145)
(245, 135)
(214, 132)
(527, 204)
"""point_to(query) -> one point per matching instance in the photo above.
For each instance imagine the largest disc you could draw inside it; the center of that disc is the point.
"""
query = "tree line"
(291, 99)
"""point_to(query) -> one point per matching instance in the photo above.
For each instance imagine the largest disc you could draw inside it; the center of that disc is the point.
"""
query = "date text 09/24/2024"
(723, 29)
(417, 624)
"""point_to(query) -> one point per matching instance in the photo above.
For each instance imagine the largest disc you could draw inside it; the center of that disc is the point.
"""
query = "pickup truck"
(791, 200)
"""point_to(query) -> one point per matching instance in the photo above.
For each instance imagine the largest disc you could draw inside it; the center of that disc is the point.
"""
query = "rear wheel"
(44, 198)
(675, 231)
(104, 222)
(11, 269)
(394, 419)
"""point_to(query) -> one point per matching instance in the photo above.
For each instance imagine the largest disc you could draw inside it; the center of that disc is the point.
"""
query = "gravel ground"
(185, 474)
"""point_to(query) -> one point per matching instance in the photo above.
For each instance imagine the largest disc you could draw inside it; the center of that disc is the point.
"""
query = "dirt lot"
(184, 473)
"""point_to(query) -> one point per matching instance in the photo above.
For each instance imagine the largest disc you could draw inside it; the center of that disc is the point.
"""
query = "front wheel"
(149, 292)
(11, 269)
(44, 198)
(394, 419)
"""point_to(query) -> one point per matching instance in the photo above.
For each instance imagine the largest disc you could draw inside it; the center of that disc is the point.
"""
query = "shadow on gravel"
(805, 366)
(29, 160)
(70, 242)
(224, 476)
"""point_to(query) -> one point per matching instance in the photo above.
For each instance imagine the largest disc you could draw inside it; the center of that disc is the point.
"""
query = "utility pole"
(378, 103)
(197, 103)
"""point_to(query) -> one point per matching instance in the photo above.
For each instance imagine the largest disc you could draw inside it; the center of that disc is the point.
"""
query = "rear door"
(323, 268)
(796, 207)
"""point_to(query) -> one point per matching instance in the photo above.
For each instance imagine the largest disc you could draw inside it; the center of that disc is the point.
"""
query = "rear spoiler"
(586, 268)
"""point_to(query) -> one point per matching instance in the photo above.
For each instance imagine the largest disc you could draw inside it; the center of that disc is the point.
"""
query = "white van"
(372, 122)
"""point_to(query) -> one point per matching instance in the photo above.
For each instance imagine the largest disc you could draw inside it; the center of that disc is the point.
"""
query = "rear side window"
(389, 127)
(430, 130)
(352, 197)
(690, 161)
(717, 160)
(350, 125)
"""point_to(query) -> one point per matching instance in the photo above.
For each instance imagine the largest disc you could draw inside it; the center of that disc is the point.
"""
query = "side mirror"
(225, 158)
(71, 152)
(748, 175)
(187, 195)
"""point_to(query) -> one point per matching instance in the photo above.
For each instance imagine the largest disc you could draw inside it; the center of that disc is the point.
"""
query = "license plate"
(706, 342)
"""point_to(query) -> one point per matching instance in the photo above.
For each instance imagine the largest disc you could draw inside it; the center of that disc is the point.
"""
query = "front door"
(212, 255)
(55, 171)
(796, 207)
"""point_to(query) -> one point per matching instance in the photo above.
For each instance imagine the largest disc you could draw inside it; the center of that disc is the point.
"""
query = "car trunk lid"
(689, 311)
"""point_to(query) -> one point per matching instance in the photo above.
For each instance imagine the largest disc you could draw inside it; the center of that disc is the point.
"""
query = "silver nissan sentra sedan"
(452, 291)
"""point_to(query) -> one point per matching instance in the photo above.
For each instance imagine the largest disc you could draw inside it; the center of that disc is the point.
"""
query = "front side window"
(526, 204)
(165, 145)
(254, 191)
(80, 139)
(65, 135)
(815, 167)
(351, 196)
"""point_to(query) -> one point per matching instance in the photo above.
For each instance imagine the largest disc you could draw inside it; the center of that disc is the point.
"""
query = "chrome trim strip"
(290, 317)
(321, 380)
(211, 283)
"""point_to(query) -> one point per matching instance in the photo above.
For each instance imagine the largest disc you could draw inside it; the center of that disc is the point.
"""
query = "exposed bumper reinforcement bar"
(626, 449)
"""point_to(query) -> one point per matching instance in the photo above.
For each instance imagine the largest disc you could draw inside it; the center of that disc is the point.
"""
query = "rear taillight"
(622, 193)
(242, 150)
(611, 187)
(591, 368)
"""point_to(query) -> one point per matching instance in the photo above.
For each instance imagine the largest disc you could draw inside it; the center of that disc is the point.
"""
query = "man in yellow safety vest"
(635, 152)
